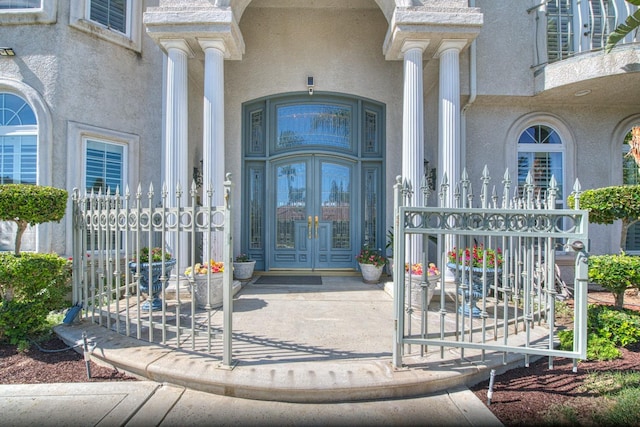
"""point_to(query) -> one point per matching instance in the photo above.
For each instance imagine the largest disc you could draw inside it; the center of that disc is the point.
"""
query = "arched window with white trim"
(18, 157)
(542, 152)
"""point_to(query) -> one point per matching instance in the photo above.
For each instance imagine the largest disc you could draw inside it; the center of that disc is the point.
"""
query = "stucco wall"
(91, 81)
(506, 38)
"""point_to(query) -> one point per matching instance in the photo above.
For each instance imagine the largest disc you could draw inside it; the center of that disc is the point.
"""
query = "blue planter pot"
(473, 290)
(156, 283)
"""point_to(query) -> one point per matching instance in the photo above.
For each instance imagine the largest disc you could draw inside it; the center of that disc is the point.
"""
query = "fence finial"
(444, 188)
(553, 193)
(528, 190)
(506, 186)
(484, 194)
(494, 197)
(577, 190)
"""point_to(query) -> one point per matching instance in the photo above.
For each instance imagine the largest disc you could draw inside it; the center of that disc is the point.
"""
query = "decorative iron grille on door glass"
(502, 296)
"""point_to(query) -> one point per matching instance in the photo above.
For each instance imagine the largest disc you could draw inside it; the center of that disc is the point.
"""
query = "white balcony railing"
(565, 28)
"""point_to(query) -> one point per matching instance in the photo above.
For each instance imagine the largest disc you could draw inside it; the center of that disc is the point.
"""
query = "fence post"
(227, 292)
(580, 297)
(398, 275)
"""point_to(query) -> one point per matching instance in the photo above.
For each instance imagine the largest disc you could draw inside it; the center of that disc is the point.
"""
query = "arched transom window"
(18, 141)
(541, 152)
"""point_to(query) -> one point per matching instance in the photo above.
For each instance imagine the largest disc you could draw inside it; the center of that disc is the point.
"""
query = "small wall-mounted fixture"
(429, 175)
(7, 51)
(310, 84)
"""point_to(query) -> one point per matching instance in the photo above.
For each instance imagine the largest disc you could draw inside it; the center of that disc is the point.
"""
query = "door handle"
(309, 235)
(316, 226)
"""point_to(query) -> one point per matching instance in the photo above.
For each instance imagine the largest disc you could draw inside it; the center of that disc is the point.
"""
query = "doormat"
(289, 280)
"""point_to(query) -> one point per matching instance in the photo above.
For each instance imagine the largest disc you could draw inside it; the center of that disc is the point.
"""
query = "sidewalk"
(148, 403)
(305, 355)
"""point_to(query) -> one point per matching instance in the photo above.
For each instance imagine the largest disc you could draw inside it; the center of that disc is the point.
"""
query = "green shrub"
(616, 273)
(608, 204)
(29, 205)
(620, 326)
(31, 286)
(607, 329)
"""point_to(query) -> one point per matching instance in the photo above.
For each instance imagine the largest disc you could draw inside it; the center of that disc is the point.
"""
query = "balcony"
(569, 58)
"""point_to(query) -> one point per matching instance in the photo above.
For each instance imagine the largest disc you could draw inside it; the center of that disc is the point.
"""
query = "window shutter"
(104, 166)
(110, 13)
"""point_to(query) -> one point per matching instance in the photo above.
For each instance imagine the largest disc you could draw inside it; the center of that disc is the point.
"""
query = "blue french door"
(313, 213)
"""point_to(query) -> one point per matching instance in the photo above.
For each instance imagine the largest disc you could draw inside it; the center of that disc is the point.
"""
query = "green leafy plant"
(153, 255)
(608, 204)
(243, 258)
(630, 24)
(31, 286)
(29, 205)
(616, 273)
(620, 326)
(608, 328)
(390, 236)
(371, 256)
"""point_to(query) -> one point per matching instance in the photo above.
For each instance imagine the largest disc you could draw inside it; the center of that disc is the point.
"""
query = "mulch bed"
(35, 366)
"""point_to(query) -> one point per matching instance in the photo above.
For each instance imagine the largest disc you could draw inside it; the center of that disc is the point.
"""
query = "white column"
(176, 133)
(449, 124)
(449, 113)
(413, 127)
(213, 165)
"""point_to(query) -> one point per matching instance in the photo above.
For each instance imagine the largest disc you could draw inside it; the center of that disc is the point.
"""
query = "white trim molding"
(563, 130)
(45, 14)
(45, 142)
(76, 133)
(78, 18)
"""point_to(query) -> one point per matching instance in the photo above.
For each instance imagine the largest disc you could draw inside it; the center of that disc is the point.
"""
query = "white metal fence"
(513, 287)
(481, 313)
(111, 230)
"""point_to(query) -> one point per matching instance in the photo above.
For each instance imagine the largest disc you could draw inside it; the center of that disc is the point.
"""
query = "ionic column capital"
(446, 44)
(410, 44)
(180, 44)
(213, 43)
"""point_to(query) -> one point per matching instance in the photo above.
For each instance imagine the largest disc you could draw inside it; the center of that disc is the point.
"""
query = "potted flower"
(203, 277)
(475, 258)
(473, 261)
(243, 267)
(371, 264)
(149, 263)
(416, 270)
(433, 276)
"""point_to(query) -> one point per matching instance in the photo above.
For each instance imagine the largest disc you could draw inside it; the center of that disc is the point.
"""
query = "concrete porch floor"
(300, 343)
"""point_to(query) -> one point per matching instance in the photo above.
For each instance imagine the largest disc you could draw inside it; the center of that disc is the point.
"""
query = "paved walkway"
(297, 349)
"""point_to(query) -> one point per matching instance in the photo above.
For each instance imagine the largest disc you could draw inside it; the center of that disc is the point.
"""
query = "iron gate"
(498, 275)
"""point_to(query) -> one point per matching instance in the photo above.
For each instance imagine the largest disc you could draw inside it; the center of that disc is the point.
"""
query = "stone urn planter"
(156, 283)
(206, 292)
(371, 273)
(210, 293)
(473, 290)
(417, 287)
(243, 270)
